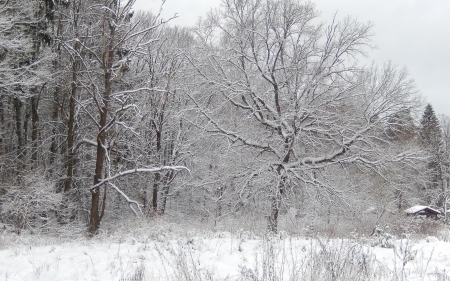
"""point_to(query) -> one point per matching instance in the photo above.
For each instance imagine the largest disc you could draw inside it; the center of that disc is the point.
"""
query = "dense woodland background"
(260, 117)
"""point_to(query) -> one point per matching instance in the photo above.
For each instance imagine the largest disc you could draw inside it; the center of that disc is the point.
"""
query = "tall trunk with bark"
(18, 120)
(156, 182)
(57, 29)
(275, 205)
(108, 57)
(54, 141)
(168, 178)
(278, 193)
(165, 194)
(94, 222)
(34, 129)
(2, 127)
(159, 130)
(157, 179)
(25, 129)
(71, 125)
(399, 195)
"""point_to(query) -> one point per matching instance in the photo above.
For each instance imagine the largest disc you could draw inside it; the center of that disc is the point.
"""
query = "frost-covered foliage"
(22, 66)
(33, 204)
(276, 119)
(304, 112)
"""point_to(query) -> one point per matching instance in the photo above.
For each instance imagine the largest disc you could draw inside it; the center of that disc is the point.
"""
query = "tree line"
(257, 108)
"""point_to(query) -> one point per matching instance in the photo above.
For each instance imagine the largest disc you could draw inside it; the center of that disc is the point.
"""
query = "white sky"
(410, 33)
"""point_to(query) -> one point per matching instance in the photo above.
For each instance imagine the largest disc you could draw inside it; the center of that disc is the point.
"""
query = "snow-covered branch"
(129, 201)
(138, 170)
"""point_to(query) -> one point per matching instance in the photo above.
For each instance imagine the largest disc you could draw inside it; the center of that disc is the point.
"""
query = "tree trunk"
(25, 127)
(169, 178)
(71, 126)
(399, 194)
(2, 127)
(94, 222)
(276, 203)
(219, 194)
(157, 179)
(277, 197)
(34, 129)
(156, 183)
(275, 208)
(18, 118)
(144, 197)
(54, 144)
(108, 57)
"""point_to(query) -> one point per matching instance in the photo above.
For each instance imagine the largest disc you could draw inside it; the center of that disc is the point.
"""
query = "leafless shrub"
(34, 204)
(321, 260)
(137, 275)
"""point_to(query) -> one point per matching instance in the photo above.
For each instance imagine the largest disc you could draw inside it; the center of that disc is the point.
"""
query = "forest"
(260, 117)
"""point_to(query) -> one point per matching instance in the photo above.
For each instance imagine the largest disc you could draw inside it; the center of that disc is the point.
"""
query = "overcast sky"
(411, 33)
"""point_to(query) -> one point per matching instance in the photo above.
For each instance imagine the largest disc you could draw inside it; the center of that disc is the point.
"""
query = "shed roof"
(421, 209)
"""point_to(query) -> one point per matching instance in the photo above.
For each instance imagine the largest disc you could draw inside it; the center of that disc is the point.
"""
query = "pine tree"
(431, 137)
(430, 132)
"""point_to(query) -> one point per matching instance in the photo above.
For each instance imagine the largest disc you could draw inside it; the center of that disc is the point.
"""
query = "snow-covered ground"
(223, 256)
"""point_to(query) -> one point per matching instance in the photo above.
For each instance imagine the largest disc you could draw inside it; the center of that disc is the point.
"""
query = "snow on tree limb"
(140, 170)
(129, 201)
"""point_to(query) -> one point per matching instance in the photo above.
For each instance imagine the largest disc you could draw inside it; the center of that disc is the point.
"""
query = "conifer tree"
(431, 137)
(430, 133)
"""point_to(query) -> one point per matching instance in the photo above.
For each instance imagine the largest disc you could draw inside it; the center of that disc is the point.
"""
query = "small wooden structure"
(420, 210)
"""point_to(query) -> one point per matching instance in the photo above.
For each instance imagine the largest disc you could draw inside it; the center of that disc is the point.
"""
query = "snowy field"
(222, 256)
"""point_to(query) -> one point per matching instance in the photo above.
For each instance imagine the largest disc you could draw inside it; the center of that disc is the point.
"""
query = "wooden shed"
(420, 210)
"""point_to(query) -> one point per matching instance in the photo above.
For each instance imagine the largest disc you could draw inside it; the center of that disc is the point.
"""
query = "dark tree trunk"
(34, 129)
(56, 94)
(94, 221)
(219, 194)
(26, 121)
(54, 142)
(278, 196)
(108, 57)
(144, 197)
(168, 180)
(18, 119)
(71, 126)
(157, 178)
(275, 209)
(399, 199)
(159, 130)
(2, 127)
(156, 183)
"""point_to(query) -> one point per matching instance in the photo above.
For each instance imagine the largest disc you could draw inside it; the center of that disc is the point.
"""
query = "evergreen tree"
(430, 132)
(431, 137)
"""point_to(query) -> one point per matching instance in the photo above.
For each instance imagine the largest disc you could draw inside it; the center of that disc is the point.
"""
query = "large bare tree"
(304, 106)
